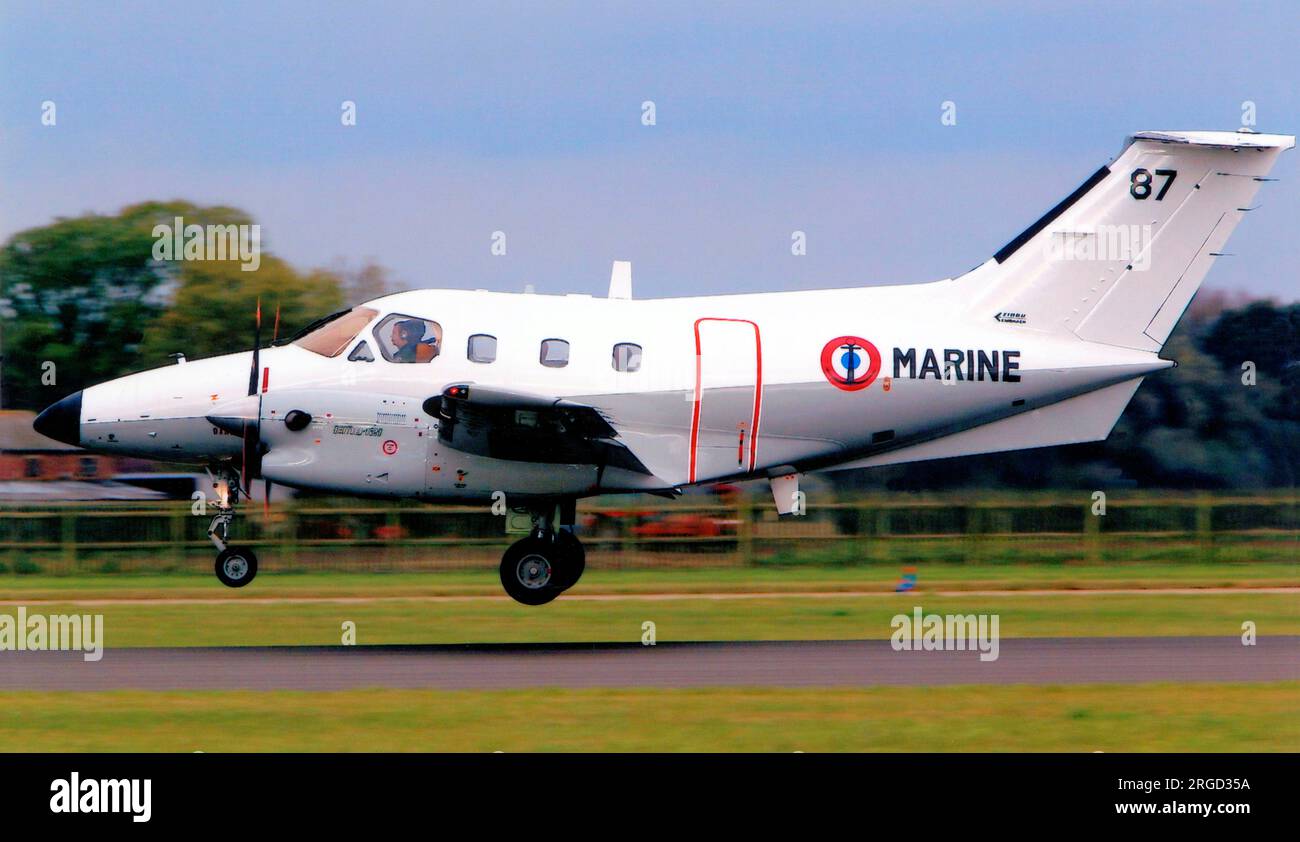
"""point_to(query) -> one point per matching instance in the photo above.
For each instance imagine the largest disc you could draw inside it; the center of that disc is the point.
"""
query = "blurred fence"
(987, 528)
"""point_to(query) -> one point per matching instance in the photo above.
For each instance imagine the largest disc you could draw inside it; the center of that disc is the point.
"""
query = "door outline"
(699, 394)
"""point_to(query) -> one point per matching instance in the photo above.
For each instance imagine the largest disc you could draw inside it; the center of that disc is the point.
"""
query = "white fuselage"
(728, 386)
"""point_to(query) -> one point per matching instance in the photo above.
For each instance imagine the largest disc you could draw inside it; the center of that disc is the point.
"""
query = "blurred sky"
(526, 118)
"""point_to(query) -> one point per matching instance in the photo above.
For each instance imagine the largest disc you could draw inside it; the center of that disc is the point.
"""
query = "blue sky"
(526, 118)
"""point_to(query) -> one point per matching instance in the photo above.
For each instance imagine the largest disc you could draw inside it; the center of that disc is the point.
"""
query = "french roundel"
(850, 363)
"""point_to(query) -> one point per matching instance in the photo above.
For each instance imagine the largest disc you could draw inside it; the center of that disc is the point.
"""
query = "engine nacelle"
(345, 441)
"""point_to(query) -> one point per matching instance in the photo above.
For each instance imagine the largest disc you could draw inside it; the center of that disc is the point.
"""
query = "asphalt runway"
(858, 663)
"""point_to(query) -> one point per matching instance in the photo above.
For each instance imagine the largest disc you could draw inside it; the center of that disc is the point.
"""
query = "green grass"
(390, 609)
(239, 623)
(1006, 576)
(1146, 717)
(1033, 548)
(805, 544)
(1083, 718)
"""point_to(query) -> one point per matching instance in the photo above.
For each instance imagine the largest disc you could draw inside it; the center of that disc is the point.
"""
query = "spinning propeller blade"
(252, 432)
(257, 348)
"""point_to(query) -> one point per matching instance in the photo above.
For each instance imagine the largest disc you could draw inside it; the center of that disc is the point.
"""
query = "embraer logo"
(1011, 318)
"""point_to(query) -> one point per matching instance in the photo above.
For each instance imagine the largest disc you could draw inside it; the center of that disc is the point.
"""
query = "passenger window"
(627, 357)
(407, 339)
(482, 348)
(361, 353)
(555, 353)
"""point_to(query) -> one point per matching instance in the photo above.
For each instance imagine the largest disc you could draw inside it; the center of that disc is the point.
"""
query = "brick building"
(27, 455)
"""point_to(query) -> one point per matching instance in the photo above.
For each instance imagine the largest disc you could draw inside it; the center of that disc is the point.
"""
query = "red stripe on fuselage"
(699, 394)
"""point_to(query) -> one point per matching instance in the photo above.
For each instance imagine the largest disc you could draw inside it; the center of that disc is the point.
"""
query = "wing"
(522, 427)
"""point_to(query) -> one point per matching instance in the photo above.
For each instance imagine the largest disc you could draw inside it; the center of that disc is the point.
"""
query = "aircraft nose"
(62, 421)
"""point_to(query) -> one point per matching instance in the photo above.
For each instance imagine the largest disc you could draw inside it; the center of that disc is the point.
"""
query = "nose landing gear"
(235, 566)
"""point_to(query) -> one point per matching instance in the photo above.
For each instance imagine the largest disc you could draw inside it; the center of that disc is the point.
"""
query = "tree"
(213, 310)
(1268, 337)
(77, 294)
(365, 283)
(88, 295)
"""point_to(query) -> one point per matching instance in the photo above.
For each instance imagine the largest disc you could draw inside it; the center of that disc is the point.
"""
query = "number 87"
(1140, 183)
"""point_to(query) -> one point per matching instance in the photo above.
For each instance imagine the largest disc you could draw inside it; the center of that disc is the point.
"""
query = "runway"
(858, 663)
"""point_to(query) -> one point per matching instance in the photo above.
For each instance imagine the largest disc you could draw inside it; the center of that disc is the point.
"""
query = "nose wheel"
(236, 566)
(537, 569)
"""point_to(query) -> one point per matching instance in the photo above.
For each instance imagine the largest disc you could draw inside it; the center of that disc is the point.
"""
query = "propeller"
(252, 431)
(243, 417)
(266, 483)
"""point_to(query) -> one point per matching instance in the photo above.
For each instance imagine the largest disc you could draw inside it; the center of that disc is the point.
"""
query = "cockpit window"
(408, 339)
(323, 320)
(333, 334)
(361, 353)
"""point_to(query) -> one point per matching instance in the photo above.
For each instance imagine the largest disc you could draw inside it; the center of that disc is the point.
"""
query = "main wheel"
(236, 566)
(528, 571)
(572, 559)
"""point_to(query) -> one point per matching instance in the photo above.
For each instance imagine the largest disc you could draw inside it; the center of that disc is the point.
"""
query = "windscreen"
(332, 337)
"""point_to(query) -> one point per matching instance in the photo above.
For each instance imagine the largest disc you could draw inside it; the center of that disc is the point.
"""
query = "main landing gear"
(235, 566)
(537, 569)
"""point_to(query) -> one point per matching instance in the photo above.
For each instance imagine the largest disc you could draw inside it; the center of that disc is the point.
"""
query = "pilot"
(408, 336)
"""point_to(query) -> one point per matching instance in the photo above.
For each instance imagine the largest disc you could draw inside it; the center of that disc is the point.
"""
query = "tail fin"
(1119, 259)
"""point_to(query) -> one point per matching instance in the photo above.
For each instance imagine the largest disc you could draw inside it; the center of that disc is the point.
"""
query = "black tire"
(528, 571)
(572, 559)
(236, 566)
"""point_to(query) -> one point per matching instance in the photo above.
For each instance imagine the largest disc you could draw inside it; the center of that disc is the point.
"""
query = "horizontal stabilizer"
(1079, 419)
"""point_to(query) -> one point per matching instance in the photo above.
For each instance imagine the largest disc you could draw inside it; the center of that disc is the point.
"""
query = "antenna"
(620, 280)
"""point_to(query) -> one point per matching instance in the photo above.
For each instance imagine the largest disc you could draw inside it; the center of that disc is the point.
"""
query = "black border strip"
(1047, 218)
(301, 792)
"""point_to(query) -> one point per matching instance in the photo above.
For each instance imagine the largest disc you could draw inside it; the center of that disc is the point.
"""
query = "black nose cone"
(62, 421)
